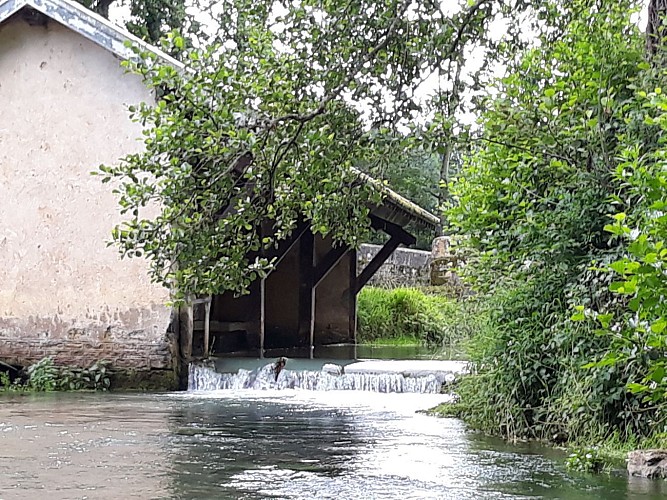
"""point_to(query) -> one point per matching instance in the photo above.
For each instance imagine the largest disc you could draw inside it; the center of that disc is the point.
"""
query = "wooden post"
(185, 329)
(262, 315)
(352, 297)
(306, 289)
(207, 325)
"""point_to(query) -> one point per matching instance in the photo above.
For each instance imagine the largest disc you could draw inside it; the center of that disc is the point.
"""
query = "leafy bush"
(94, 378)
(45, 376)
(534, 205)
(638, 334)
(586, 460)
(409, 312)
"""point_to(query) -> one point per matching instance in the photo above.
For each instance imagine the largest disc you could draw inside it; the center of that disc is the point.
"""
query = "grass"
(411, 316)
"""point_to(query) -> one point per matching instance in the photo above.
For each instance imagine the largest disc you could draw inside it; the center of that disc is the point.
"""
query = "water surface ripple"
(291, 444)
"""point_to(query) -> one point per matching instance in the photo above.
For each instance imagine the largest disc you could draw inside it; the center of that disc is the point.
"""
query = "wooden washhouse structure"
(310, 298)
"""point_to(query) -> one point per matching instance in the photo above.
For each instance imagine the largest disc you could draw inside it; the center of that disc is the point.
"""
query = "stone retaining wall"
(405, 267)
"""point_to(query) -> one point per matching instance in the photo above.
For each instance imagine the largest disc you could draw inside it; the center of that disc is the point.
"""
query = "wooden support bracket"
(285, 246)
(330, 260)
(398, 236)
(377, 261)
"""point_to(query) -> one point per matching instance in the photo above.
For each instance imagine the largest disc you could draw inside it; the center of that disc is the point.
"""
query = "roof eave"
(396, 208)
(88, 24)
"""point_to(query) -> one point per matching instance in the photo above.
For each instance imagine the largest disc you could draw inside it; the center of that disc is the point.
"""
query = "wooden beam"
(393, 230)
(237, 173)
(207, 326)
(264, 229)
(227, 326)
(398, 236)
(306, 329)
(377, 261)
(285, 246)
(330, 260)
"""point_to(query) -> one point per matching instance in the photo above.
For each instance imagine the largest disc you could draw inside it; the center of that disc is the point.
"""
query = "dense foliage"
(566, 145)
(261, 129)
(429, 319)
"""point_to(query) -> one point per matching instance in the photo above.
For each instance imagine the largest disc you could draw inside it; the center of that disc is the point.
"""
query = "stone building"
(63, 292)
(63, 111)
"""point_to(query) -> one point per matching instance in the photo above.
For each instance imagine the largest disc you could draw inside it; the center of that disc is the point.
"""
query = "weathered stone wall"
(405, 267)
(63, 292)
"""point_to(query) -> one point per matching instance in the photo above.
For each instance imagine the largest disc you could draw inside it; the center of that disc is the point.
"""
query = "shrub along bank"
(45, 376)
(411, 315)
(563, 213)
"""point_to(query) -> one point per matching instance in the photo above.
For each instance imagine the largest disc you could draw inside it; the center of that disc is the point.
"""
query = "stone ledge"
(651, 464)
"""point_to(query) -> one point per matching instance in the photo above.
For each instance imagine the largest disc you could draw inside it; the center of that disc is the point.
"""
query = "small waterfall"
(203, 377)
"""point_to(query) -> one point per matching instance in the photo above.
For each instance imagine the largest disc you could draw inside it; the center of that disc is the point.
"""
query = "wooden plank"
(330, 260)
(306, 328)
(226, 326)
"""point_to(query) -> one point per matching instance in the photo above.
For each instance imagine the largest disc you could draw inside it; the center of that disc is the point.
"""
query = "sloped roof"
(86, 23)
(396, 208)
(104, 33)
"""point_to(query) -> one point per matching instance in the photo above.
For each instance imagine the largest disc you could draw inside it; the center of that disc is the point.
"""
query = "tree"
(262, 129)
(150, 19)
(638, 334)
(655, 26)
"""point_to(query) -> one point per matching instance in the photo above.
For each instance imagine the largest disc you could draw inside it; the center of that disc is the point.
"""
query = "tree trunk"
(443, 191)
(656, 29)
(102, 7)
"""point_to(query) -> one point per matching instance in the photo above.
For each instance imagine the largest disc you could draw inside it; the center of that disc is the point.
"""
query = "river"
(258, 444)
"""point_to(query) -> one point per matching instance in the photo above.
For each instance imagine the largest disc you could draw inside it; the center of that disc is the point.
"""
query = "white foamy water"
(205, 378)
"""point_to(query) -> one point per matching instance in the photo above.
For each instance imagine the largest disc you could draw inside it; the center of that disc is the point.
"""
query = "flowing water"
(272, 443)
(203, 377)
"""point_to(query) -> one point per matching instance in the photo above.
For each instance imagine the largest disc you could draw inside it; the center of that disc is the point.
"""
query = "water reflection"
(216, 439)
(272, 444)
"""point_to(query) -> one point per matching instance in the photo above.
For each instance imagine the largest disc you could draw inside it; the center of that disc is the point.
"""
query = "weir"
(427, 377)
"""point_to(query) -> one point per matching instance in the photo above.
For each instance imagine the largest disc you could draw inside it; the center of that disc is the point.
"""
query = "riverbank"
(608, 455)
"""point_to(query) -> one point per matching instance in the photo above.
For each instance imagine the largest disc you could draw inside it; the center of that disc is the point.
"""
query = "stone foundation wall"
(138, 339)
(82, 354)
(405, 267)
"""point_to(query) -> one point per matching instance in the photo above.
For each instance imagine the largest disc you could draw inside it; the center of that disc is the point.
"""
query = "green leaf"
(658, 373)
(635, 388)
(658, 326)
